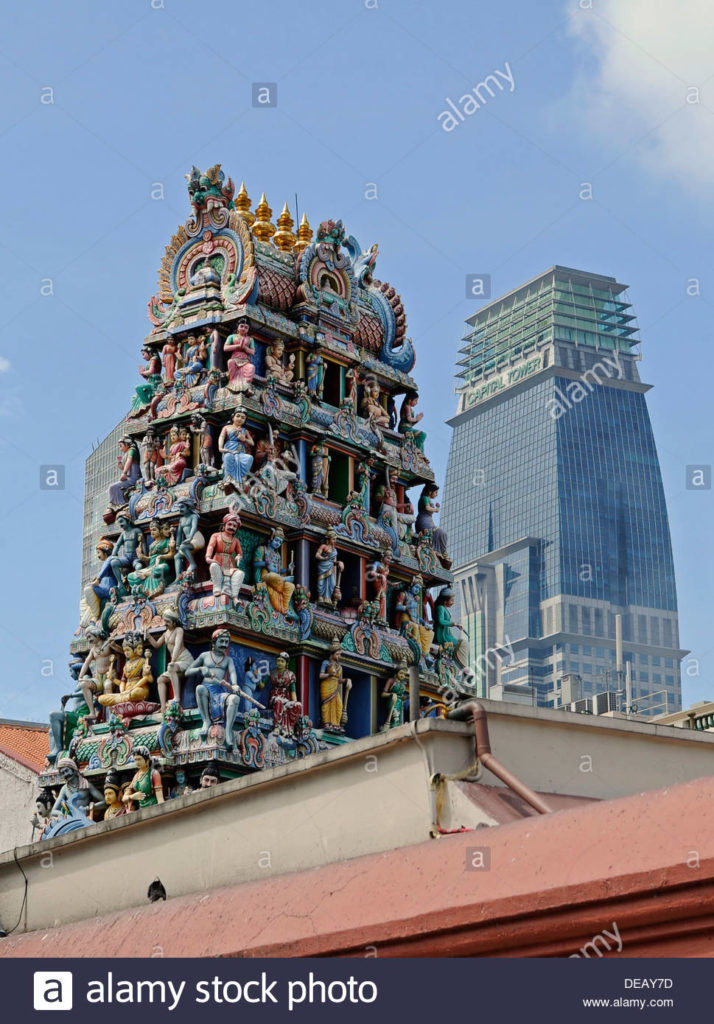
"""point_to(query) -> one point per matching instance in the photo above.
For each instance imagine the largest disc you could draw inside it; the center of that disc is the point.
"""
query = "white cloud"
(646, 63)
(4, 364)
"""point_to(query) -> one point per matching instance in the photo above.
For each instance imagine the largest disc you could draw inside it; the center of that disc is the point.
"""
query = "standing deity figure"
(333, 705)
(320, 469)
(152, 375)
(233, 444)
(241, 368)
(136, 677)
(202, 428)
(129, 461)
(113, 797)
(378, 575)
(178, 658)
(364, 475)
(427, 507)
(194, 362)
(408, 419)
(223, 557)
(329, 569)
(152, 457)
(444, 627)
(409, 618)
(268, 569)
(284, 704)
(395, 692)
(371, 407)
(315, 376)
(189, 539)
(252, 681)
(77, 793)
(169, 356)
(95, 675)
(151, 572)
(182, 787)
(146, 788)
(218, 694)
(274, 366)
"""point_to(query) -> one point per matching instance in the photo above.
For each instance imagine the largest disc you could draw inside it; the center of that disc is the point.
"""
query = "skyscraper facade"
(554, 502)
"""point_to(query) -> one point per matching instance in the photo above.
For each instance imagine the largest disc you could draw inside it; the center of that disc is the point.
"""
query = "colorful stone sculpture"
(146, 788)
(300, 400)
(233, 444)
(334, 691)
(223, 557)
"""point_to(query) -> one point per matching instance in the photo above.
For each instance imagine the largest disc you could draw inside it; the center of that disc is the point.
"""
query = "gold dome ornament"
(284, 238)
(262, 228)
(304, 234)
(242, 204)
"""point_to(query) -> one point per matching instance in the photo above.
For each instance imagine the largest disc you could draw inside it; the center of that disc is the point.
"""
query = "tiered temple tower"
(263, 585)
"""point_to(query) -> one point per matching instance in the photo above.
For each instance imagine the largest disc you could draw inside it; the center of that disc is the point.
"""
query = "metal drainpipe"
(483, 753)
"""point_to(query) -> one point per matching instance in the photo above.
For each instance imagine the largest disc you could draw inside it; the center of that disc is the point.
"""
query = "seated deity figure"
(328, 570)
(172, 472)
(218, 693)
(370, 406)
(274, 474)
(233, 444)
(268, 569)
(274, 366)
(152, 572)
(284, 704)
(136, 677)
(195, 361)
(179, 660)
(409, 618)
(99, 589)
(189, 540)
(77, 793)
(223, 557)
(152, 377)
(130, 465)
(444, 627)
(146, 788)
(408, 419)
(241, 368)
(333, 707)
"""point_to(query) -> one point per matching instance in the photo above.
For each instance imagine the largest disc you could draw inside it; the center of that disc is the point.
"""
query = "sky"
(595, 151)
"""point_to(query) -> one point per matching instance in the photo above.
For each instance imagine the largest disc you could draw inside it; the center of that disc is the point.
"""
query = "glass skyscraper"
(554, 504)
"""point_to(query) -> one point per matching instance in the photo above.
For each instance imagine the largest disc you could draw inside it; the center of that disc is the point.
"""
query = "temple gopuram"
(271, 581)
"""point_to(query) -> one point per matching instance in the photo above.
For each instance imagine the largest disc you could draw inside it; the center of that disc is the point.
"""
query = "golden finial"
(262, 228)
(304, 234)
(284, 238)
(242, 202)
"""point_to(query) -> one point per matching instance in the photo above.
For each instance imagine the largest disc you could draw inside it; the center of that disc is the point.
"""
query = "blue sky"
(140, 92)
